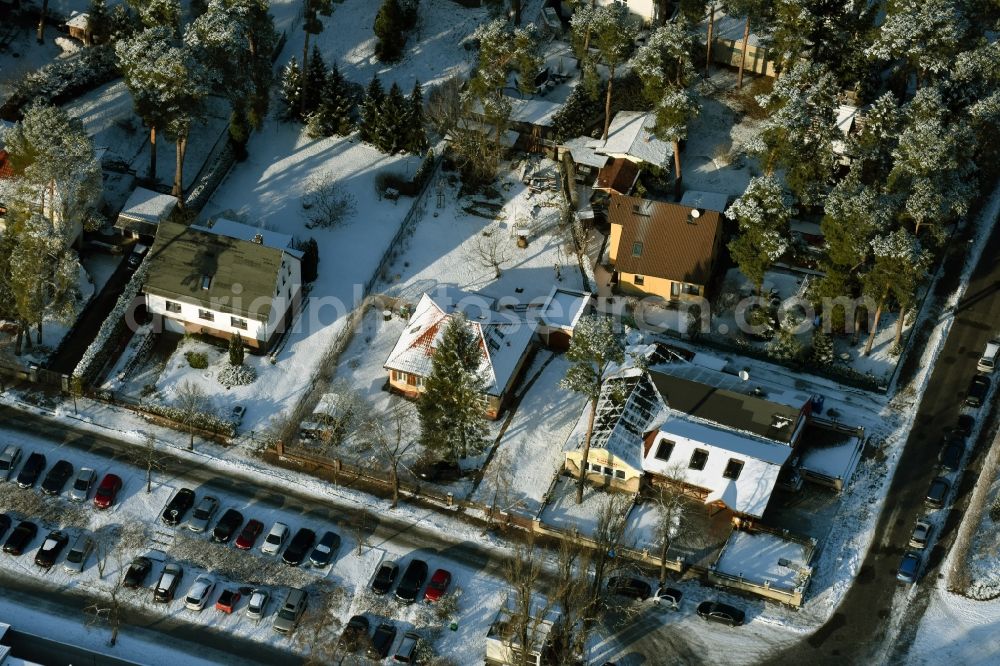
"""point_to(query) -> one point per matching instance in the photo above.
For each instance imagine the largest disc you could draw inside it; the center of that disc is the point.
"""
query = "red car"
(438, 585)
(107, 491)
(249, 535)
(227, 601)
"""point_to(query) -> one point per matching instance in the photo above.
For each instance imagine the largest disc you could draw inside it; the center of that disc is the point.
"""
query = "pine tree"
(99, 21)
(389, 31)
(236, 349)
(577, 116)
(312, 24)
(593, 352)
(393, 131)
(758, 11)
(822, 348)
(416, 136)
(610, 31)
(291, 90)
(763, 217)
(314, 82)
(451, 409)
(310, 260)
(898, 267)
(371, 111)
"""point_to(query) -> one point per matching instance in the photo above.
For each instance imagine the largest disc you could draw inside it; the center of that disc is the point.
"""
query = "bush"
(310, 260)
(236, 350)
(62, 80)
(237, 375)
(202, 421)
(196, 360)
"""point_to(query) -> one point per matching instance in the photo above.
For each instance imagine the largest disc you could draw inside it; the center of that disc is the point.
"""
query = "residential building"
(504, 338)
(503, 643)
(559, 315)
(644, 11)
(144, 211)
(222, 280)
(630, 137)
(662, 249)
(716, 201)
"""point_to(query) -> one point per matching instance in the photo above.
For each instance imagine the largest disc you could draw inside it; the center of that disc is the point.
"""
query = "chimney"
(693, 216)
(258, 238)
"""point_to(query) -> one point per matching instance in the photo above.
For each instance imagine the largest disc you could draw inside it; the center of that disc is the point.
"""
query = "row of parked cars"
(57, 477)
(669, 597)
(377, 645)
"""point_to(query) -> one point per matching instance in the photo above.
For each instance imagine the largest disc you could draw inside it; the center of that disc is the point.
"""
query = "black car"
(326, 550)
(937, 493)
(382, 640)
(32, 469)
(385, 577)
(51, 547)
(438, 471)
(411, 582)
(20, 538)
(4, 524)
(978, 388)
(715, 611)
(951, 456)
(57, 477)
(181, 503)
(227, 526)
(965, 424)
(299, 546)
(137, 572)
(355, 634)
(633, 588)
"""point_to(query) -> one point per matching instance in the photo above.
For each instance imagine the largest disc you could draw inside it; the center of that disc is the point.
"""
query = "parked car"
(19, 539)
(107, 492)
(921, 534)
(407, 651)
(50, 549)
(139, 252)
(978, 388)
(326, 550)
(76, 558)
(32, 469)
(438, 471)
(4, 524)
(951, 456)
(57, 477)
(715, 611)
(299, 546)
(81, 484)
(291, 611)
(411, 582)
(937, 493)
(965, 424)
(137, 572)
(9, 460)
(166, 587)
(227, 601)
(197, 596)
(227, 526)
(355, 634)
(668, 597)
(382, 640)
(438, 585)
(385, 577)
(203, 514)
(248, 537)
(633, 588)
(275, 539)
(178, 506)
(236, 415)
(909, 568)
(257, 606)
(987, 361)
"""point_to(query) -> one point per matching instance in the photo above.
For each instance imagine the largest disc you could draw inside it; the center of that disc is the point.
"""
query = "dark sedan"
(137, 572)
(633, 588)
(951, 456)
(978, 389)
(51, 547)
(385, 577)
(20, 538)
(227, 526)
(326, 550)
(937, 493)
(32, 469)
(411, 582)
(714, 611)
(382, 640)
(299, 546)
(57, 477)
(178, 506)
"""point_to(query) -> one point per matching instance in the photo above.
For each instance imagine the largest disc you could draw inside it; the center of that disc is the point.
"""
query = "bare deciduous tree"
(671, 511)
(611, 532)
(361, 528)
(149, 458)
(319, 628)
(527, 610)
(191, 403)
(386, 437)
(491, 250)
(444, 105)
(577, 610)
(499, 478)
(326, 203)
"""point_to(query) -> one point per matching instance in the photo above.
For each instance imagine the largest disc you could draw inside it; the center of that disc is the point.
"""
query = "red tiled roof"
(6, 168)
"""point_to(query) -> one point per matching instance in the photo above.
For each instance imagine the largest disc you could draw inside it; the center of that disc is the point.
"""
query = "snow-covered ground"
(758, 557)
(563, 511)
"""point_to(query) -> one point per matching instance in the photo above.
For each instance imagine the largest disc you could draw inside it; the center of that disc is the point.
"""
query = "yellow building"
(662, 249)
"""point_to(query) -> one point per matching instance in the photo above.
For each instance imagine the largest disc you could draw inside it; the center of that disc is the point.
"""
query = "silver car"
(291, 611)
(77, 557)
(81, 484)
(9, 460)
(203, 514)
(275, 539)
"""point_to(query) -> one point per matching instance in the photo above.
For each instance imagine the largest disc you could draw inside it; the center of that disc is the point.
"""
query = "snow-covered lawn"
(758, 556)
(957, 630)
(563, 512)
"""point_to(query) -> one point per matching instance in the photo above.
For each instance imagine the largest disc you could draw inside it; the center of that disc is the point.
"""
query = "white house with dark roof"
(504, 338)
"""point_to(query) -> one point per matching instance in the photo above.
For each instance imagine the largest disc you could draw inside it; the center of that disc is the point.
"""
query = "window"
(692, 289)
(638, 279)
(664, 449)
(733, 469)
(637, 249)
(675, 289)
(698, 459)
(206, 281)
(238, 323)
(398, 376)
(608, 471)
(207, 315)
(619, 474)
(173, 307)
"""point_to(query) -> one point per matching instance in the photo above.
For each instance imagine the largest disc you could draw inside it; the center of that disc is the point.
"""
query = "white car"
(258, 604)
(81, 484)
(275, 539)
(199, 593)
(203, 514)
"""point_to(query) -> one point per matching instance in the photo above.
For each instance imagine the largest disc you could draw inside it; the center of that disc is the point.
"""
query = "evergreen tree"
(822, 348)
(99, 21)
(312, 24)
(310, 260)
(594, 352)
(786, 346)
(159, 13)
(763, 217)
(451, 409)
(236, 349)
(389, 30)
(333, 116)
(393, 131)
(123, 23)
(371, 112)
(416, 135)
(314, 82)
(898, 267)
(577, 116)
(926, 34)
(291, 90)
(611, 32)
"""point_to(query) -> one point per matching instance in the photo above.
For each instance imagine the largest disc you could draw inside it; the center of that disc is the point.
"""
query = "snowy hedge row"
(100, 349)
(200, 420)
(62, 80)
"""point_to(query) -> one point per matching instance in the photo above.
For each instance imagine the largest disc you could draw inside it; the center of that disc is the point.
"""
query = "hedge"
(62, 80)
(201, 421)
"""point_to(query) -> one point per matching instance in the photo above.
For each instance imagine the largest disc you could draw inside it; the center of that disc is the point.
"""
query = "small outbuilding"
(560, 314)
(144, 211)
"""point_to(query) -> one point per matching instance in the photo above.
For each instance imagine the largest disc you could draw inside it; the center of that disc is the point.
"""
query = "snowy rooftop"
(564, 307)
(78, 20)
(631, 134)
(761, 557)
(730, 27)
(148, 206)
(503, 337)
(582, 152)
(705, 200)
(847, 116)
(533, 111)
(240, 231)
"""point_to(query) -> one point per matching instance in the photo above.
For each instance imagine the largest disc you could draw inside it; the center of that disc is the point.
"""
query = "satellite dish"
(695, 213)
(744, 375)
